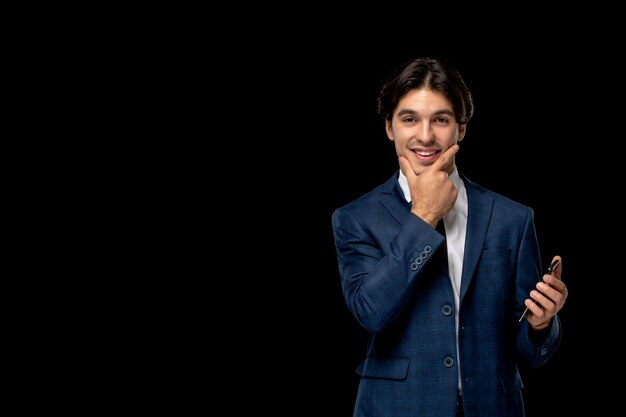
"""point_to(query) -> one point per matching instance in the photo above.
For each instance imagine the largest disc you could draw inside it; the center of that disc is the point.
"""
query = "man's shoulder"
(371, 198)
(500, 200)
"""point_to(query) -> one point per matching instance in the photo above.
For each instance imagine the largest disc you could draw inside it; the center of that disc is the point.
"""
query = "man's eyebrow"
(437, 113)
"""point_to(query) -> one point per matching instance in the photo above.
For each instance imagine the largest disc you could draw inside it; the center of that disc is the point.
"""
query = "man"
(444, 313)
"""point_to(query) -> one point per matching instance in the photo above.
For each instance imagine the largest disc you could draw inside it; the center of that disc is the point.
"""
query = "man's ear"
(462, 130)
(389, 130)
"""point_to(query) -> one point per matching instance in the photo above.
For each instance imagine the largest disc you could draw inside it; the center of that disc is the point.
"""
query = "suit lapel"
(479, 208)
(393, 200)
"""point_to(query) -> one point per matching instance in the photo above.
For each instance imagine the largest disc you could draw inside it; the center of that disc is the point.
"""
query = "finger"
(554, 282)
(405, 167)
(544, 302)
(553, 294)
(445, 157)
(554, 289)
(534, 308)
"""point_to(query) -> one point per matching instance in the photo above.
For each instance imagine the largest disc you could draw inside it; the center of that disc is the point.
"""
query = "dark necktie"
(443, 250)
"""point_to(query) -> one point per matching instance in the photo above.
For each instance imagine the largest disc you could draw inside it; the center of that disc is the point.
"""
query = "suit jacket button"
(414, 266)
(448, 362)
(446, 310)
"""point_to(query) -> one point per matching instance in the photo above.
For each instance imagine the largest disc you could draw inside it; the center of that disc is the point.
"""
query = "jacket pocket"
(384, 368)
(511, 382)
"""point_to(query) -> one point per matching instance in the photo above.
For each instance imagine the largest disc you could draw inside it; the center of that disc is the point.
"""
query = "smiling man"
(439, 269)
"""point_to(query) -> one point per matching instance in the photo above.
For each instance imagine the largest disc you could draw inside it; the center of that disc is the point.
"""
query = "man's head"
(426, 107)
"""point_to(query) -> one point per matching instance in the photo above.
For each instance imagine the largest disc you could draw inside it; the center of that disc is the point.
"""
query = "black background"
(234, 139)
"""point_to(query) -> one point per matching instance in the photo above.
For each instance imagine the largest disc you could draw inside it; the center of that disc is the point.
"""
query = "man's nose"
(425, 133)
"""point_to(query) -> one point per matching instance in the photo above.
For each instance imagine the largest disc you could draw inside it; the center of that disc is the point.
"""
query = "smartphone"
(550, 270)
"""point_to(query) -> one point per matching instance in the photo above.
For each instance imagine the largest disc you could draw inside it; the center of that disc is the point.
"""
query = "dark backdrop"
(249, 133)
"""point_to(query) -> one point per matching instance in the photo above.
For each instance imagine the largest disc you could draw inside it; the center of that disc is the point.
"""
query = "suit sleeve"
(377, 282)
(532, 351)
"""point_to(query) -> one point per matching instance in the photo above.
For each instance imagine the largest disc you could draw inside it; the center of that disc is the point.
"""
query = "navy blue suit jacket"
(407, 305)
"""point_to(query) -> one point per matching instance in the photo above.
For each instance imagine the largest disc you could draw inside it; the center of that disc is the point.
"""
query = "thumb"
(557, 271)
(445, 158)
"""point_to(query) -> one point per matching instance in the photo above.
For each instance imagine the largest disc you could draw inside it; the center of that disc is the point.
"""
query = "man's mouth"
(429, 155)
(426, 153)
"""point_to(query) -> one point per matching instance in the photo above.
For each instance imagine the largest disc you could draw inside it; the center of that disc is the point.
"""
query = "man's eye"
(409, 120)
(442, 120)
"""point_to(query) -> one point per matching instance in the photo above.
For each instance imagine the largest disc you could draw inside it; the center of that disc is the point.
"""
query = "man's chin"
(420, 167)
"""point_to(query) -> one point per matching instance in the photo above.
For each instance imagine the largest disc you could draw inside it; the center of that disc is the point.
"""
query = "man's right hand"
(432, 193)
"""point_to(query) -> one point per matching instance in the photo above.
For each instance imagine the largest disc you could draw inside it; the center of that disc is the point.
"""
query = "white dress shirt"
(456, 227)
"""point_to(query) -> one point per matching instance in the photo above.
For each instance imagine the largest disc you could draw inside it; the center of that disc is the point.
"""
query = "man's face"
(423, 125)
